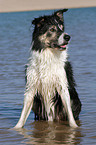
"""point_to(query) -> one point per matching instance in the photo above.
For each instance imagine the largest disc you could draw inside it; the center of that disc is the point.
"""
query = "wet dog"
(50, 86)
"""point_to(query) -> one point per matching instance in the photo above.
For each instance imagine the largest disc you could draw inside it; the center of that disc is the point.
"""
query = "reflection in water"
(50, 133)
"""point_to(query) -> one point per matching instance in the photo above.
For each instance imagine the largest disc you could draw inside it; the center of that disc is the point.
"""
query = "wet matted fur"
(50, 86)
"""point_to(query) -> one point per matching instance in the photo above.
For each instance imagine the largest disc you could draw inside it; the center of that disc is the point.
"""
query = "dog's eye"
(52, 30)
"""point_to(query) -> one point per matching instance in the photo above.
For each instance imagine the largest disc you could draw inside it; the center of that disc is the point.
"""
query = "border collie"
(50, 86)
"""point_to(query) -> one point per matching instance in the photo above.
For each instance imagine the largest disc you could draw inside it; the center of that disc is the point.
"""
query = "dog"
(50, 86)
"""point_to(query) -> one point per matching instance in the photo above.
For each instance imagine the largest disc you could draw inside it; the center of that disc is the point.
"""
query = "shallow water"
(15, 41)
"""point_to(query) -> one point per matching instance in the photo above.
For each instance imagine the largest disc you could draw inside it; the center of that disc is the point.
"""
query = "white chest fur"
(46, 74)
(45, 71)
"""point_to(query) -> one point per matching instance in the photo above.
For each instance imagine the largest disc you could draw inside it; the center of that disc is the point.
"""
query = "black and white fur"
(50, 87)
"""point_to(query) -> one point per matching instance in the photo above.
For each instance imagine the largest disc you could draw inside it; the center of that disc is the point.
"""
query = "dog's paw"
(73, 124)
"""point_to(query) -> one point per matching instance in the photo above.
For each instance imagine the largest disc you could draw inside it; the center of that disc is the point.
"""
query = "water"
(15, 41)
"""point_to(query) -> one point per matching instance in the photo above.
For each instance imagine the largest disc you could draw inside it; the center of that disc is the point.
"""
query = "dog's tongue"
(63, 47)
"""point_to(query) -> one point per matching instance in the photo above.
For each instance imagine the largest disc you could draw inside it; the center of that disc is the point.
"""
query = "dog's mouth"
(62, 47)
(59, 47)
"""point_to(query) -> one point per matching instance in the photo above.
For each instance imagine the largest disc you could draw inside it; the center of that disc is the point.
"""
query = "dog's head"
(49, 32)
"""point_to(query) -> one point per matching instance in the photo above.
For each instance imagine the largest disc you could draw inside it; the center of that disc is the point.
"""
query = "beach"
(29, 5)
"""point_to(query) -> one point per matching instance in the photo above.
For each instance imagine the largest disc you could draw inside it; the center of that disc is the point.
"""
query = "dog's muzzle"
(63, 41)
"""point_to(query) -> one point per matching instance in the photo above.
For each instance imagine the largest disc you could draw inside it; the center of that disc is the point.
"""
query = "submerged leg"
(28, 103)
(65, 97)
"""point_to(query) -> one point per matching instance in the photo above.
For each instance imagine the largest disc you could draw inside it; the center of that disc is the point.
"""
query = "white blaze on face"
(61, 39)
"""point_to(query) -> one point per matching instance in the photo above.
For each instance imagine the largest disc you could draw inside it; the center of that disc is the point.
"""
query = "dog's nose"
(67, 37)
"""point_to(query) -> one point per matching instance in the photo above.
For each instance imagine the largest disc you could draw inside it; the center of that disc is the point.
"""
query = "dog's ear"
(38, 21)
(59, 13)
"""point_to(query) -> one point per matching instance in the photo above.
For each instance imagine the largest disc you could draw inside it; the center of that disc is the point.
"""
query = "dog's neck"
(49, 54)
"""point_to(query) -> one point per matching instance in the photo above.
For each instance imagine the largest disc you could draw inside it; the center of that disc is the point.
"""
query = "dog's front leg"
(67, 105)
(28, 103)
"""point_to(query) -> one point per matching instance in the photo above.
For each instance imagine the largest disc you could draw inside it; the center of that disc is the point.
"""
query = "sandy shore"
(29, 5)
